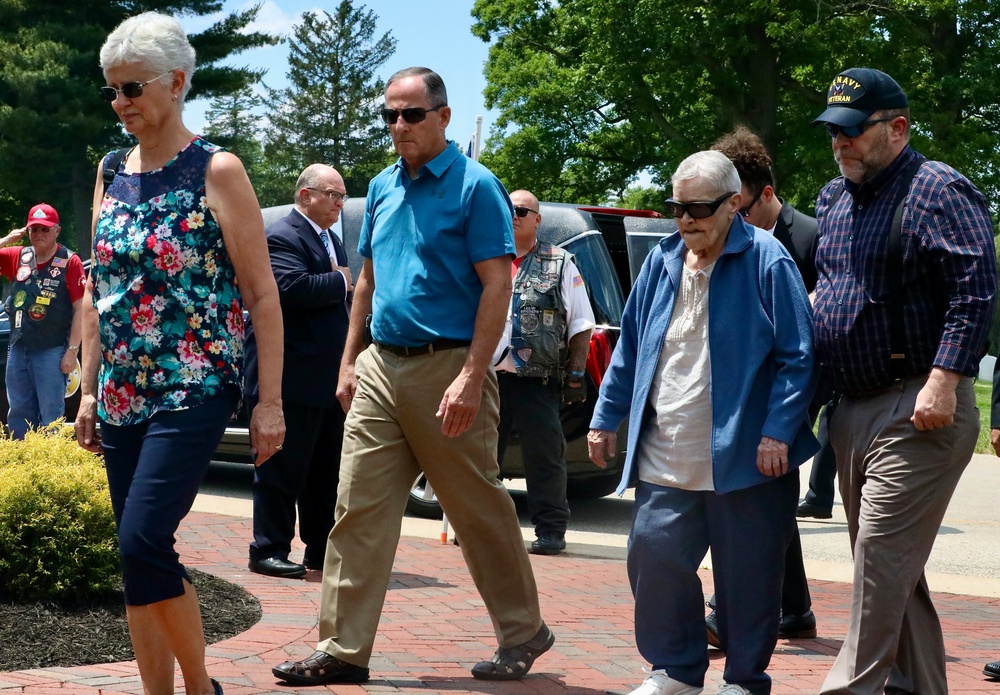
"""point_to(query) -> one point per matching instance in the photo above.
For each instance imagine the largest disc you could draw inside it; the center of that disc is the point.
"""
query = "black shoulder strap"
(112, 167)
(894, 274)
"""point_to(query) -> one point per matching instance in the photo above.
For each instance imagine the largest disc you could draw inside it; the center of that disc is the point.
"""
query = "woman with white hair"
(178, 250)
(714, 370)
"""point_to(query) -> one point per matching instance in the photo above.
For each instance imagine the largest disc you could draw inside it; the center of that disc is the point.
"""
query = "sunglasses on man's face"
(414, 114)
(697, 210)
(745, 211)
(521, 211)
(854, 131)
(131, 90)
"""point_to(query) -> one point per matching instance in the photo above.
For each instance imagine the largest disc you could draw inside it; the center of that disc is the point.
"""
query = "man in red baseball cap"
(43, 306)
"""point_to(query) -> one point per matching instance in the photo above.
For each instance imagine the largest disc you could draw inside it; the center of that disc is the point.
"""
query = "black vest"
(39, 307)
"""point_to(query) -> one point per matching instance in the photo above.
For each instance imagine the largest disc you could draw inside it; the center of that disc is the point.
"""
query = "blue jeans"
(36, 388)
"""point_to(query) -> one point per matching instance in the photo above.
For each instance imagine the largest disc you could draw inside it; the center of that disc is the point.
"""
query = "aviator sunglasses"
(130, 90)
(414, 114)
(854, 131)
(697, 210)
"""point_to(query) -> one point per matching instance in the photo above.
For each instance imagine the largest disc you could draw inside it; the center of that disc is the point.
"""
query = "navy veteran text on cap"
(857, 93)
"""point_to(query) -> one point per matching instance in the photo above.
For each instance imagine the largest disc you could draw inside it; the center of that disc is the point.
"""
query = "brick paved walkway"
(434, 628)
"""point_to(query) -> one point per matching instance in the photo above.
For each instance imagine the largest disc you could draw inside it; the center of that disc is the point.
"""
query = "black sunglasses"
(853, 131)
(523, 211)
(745, 212)
(414, 114)
(698, 210)
(131, 90)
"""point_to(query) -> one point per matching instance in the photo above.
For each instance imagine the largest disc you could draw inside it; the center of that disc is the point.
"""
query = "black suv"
(608, 244)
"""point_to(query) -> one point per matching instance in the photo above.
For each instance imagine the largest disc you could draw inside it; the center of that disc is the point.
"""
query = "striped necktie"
(324, 235)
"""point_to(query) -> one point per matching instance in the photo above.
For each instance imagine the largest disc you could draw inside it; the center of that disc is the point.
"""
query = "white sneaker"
(659, 683)
(733, 689)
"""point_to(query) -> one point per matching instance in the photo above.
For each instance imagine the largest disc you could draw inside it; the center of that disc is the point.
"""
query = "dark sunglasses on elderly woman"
(131, 90)
(414, 114)
(697, 210)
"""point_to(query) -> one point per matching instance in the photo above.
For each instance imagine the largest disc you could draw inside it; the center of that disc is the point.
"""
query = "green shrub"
(57, 529)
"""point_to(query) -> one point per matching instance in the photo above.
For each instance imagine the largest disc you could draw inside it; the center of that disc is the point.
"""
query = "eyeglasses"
(413, 114)
(521, 211)
(745, 211)
(853, 131)
(335, 196)
(131, 90)
(698, 210)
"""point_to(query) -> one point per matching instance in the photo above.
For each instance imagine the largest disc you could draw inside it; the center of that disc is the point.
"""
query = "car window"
(639, 246)
(591, 257)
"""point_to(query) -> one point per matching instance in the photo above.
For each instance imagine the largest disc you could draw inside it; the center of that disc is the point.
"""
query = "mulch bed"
(47, 634)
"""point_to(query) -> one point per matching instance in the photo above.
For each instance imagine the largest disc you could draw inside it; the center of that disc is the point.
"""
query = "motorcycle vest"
(538, 315)
(38, 305)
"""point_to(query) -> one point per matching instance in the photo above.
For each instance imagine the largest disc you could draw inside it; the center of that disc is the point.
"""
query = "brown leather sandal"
(513, 663)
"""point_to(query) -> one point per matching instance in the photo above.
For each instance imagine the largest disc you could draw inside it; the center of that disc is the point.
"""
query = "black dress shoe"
(992, 669)
(797, 626)
(319, 669)
(808, 509)
(712, 629)
(549, 543)
(277, 567)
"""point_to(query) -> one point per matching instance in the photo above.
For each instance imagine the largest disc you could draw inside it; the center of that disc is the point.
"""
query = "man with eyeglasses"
(314, 283)
(902, 315)
(436, 245)
(714, 371)
(540, 363)
(43, 305)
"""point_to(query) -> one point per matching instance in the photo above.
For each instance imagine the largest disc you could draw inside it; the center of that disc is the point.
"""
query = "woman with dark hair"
(178, 250)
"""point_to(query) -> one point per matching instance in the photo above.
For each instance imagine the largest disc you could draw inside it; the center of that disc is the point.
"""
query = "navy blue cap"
(857, 93)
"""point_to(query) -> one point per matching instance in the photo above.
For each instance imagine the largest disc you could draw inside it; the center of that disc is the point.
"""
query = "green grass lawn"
(984, 390)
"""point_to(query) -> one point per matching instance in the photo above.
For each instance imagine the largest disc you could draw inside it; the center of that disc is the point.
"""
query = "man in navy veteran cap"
(43, 306)
(904, 299)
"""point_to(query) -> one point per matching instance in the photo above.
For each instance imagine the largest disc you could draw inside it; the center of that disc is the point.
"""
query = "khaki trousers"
(896, 483)
(390, 435)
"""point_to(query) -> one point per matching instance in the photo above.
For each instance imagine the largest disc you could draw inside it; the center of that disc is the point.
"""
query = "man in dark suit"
(314, 283)
(797, 233)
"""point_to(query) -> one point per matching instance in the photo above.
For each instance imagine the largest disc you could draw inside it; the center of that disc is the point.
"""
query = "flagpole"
(478, 141)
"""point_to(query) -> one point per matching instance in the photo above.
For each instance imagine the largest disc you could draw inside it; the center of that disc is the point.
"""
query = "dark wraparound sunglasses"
(854, 131)
(523, 211)
(131, 90)
(415, 114)
(745, 212)
(697, 210)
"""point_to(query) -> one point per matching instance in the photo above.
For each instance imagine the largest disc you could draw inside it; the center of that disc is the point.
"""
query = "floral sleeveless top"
(170, 315)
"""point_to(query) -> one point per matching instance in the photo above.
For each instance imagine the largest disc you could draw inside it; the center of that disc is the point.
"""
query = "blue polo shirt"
(423, 237)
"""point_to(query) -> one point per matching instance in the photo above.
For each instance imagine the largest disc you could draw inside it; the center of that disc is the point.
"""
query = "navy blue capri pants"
(154, 470)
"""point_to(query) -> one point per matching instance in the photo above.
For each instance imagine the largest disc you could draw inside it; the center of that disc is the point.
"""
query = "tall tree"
(53, 126)
(330, 111)
(592, 92)
(234, 123)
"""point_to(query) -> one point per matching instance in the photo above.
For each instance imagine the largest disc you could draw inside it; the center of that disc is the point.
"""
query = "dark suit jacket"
(797, 233)
(314, 309)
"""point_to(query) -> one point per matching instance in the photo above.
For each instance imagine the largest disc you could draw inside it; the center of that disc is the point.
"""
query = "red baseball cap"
(43, 214)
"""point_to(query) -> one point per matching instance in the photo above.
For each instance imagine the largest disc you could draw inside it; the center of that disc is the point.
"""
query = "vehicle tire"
(420, 503)
(592, 488)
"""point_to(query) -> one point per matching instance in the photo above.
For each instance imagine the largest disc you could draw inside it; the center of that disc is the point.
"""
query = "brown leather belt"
(428, 349)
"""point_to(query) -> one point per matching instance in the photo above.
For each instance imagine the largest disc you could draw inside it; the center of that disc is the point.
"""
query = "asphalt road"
(965, 560)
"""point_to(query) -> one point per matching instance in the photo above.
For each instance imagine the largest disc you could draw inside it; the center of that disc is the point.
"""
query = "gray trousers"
(896, 483)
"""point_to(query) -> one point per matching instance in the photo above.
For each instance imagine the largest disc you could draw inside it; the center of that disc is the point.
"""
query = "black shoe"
(808, 509)
(277, 567)
(797, 626)
(216, 686)
(513, 663)
(712, 628)
(313, 563)
(992, 669)
(549, 543)
(319, 669)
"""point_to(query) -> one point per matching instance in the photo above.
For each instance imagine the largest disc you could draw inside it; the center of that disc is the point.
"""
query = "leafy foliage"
(57, 529)
(329, 113)
(593, 92)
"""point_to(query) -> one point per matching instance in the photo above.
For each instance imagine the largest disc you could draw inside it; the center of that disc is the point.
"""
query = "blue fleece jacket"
(760, 344)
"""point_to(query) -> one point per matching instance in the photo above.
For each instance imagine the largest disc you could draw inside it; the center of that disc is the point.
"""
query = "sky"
(432, 33)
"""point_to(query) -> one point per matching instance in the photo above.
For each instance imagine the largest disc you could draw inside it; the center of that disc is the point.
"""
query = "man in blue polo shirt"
(437, 244)
(902, 312)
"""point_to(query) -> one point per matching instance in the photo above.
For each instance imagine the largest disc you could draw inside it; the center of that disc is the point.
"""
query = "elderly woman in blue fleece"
(714, 370)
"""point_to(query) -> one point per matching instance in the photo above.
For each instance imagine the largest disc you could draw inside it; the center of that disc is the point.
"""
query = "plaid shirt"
(949, 276)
